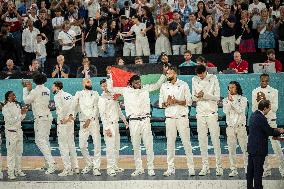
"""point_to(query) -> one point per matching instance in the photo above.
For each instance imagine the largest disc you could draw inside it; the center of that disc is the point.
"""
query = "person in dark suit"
(259, 130)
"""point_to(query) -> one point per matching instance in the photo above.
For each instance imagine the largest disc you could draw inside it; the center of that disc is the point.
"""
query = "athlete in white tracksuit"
(1, 171)
(271, 94)
(175, 97)
(65, 129)
(234, 106)
(110, 112)
(13, 115)
(137, 108)
(206, 92)
(86, 103)
(39, 99)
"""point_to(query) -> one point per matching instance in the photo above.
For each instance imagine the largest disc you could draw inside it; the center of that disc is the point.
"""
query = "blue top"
(190, 63)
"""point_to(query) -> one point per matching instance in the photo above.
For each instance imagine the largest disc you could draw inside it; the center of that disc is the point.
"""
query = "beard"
(170, 78)
(89, 87)
(54, 92)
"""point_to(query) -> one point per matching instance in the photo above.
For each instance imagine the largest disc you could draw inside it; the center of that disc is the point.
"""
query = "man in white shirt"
(110, 112)
(254, 9)
(65, 129)
(175, 97)
(234, 106)
(57, 23)
(141, 42)
(39, 99)
(86, 103)
(137, 108)
(29, 42)
(265, 92)
(13, 115)
(93, 7)
(206, 93)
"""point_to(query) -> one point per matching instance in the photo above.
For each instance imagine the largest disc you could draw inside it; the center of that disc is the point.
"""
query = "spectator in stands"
(210, 36)
(241, 66)
(60, 70)
(193, 30)
(188, 61)
(29, 42)
(127, 10)
(280, 28)
(165, 59)
(246, 41)
(93, 8)
(148, 20)
(227, 26)
(264, 27)
(109, 40)
(201, 60)
(129, 40)
(57, 23)
(275, 9)
(34, 67)
(41, 40)
(138, 60)
(10, 68)
(86, 70)
(271, 59)
(89, 39)
(32, 14)
(177, 34)
(72, 12)
(162, 35)
(184, 9)
(201, 12)
(119, 61)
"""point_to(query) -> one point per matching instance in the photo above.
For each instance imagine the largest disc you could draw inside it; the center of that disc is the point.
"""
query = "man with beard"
(86, 103)
(65, 129)
(137, 108)
(265, 92)
(39, 99)
(110, 113)
(175, 97)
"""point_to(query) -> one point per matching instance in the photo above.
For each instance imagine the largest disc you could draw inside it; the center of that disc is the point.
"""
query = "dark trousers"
(28, 59)
(255, 171)
(70, 57)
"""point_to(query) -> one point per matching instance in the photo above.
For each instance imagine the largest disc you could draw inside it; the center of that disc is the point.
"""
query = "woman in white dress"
(162, 37)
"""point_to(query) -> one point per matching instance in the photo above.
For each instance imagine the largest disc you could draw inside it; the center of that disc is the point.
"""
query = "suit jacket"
(259, 131)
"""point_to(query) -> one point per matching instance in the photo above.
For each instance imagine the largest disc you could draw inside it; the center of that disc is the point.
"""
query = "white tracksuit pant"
(182, 126)
(94, 131)
(129, 49)
(65, 133)
(112, 146)
(0, 155)
(203, 124)
(142, 129)
(276, 146)
(235, 134)
(142, 46)
(42, 131)
(14, 145)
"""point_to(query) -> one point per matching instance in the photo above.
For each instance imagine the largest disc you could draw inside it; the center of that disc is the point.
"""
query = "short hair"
(200, 69)
(270, 51)
(174, 68)
(263, 104)
(39, 78)
(201, 59)
(133, 78)
(238, 86)
(192, 13)
(138, 58)
(103, 81)
(58, 84)
(42, 11)
(57, 10)
(176, 11)
(187, 51)
(264, 75)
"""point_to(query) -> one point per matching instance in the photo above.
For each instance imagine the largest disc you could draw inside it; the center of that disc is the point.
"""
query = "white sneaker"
(87, 169)
(76, 170)
(219, 171)
(169, 172)
(1, 175)
(11, 176)
(281, 170)
(233, 173)
(137, 172)
(65, 173)
(151, 172)
(118, 170)
(111, 172)
(266, 173)
(20, 173)
(204, 171)
(50, 170)
(191, 172)
(96, 172)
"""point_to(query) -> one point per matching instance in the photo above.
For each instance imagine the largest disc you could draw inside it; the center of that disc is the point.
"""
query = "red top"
(210, 64)
(243, 66)
(13, 22)
(278, 65)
